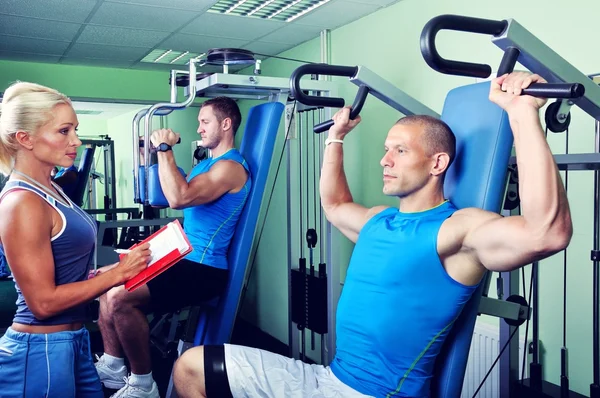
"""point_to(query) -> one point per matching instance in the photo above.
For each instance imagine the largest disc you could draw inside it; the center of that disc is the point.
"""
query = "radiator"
(485, 348)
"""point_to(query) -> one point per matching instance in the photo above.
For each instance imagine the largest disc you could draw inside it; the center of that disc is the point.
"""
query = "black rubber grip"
(359, 101)
(462, 24)
(555, 90)
(324, 70)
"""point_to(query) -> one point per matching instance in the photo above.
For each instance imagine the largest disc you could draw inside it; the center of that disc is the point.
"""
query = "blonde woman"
(49, 244)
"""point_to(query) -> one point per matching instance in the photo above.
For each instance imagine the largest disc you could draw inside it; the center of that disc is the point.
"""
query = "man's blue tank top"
(73, 251)
(397, 305)
(210, 226)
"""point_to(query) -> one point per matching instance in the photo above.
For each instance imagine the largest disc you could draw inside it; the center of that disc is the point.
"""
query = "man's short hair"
(438, 137)
(225, 107)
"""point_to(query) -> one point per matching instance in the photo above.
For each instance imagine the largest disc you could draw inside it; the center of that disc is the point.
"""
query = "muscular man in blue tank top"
(413, 267)
(212, 198)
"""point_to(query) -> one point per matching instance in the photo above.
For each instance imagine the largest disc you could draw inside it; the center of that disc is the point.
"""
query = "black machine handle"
(319, 69)
(488, 27)
(357, 106)
(462, 24)
(327, 70)
(555, 90)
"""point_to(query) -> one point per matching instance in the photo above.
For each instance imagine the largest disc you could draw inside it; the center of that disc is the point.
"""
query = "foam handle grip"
(555, 90)
(321, 127)
(357, 106)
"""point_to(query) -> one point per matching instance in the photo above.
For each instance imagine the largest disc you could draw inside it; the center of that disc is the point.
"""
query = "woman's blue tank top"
(73, 250)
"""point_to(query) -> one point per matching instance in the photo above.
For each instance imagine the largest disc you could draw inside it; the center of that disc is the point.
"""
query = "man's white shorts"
(257, 373)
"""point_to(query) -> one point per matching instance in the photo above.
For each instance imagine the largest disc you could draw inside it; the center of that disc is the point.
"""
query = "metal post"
(292, 337)
(332, 257)
(113, 179)
(174, 85)
(595, 386)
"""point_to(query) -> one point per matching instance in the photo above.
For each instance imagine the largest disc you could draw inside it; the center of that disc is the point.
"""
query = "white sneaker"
(131, 391)
(110, 377)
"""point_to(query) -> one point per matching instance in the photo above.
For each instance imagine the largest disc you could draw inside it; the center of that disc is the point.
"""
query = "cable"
(564, 378)
(315, 171)
(245, 288)
(527, 322)
(307, 182)
(300, 180)
(321, 154)
(565, 254)
(494, 364)
(287, 59)
(528, 301)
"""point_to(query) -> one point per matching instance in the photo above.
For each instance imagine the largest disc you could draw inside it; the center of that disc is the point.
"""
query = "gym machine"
(519, 45)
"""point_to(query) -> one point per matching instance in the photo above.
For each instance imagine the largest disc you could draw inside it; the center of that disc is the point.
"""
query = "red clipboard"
(161, 265)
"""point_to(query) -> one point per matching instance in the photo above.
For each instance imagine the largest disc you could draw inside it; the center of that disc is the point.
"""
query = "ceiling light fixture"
(162, 55)
(260, 7)
(179, 57)
(166, 57)
(293, 3)
(273, 10)
(236, 5)
(309, 9)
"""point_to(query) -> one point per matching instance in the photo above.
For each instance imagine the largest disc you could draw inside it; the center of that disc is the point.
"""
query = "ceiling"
(120, 33)
(104, 110)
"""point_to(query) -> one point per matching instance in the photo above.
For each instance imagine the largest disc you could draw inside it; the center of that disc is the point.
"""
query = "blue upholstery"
(83, 173)
(142, 184)
(216, 322)
(477, 178)
(155, 192)
(67, 188)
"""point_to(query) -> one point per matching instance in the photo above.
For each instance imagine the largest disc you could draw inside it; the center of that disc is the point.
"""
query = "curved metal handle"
(462, 24)
(357, 106)
(555, 90)
(136, 144)
(319, 69)
(147, 116)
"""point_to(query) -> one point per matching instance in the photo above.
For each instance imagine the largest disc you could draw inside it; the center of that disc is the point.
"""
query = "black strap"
(215, 372)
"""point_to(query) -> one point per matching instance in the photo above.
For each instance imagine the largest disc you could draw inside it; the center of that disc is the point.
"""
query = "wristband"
(331, 140)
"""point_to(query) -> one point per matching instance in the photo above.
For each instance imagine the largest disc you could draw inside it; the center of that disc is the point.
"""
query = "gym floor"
(243, 334)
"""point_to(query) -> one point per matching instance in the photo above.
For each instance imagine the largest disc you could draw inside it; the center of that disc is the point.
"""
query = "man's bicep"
(220, 179)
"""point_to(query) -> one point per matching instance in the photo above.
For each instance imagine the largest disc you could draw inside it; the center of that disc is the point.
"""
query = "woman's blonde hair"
(25, 107)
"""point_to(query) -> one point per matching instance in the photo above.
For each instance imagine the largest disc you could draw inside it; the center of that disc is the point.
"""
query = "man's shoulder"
(229, 166)
(464, 220)
(475, 214)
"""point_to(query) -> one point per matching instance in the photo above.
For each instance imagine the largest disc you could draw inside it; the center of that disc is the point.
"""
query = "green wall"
(89, 82)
